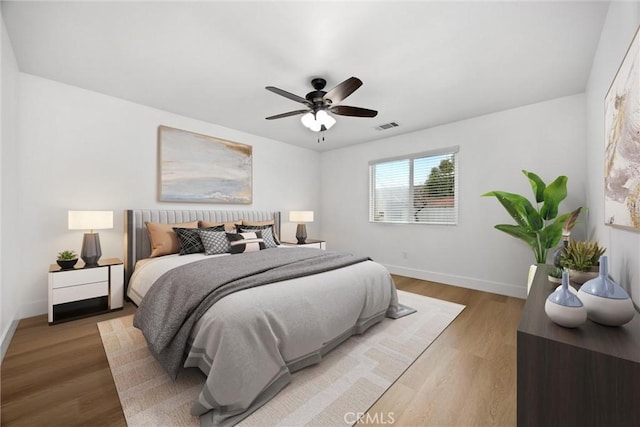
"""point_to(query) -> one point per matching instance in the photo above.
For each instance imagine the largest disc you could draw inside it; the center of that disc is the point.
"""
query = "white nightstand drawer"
(80, 292)
(63, 279)
(310, 243)
(317, 245)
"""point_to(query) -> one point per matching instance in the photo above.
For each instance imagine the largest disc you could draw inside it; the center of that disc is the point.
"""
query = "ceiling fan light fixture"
(316, 127)
(325, 119)
(308, 120)
(318, 121)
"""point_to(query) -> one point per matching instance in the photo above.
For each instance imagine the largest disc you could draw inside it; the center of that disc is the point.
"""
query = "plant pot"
(554, 279)
(579, 277)
(67, 264)
(532, 273)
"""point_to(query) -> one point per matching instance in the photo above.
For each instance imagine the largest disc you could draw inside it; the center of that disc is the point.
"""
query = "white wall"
(83, 150)
(623, 246)
(9, 282)
(546, 138)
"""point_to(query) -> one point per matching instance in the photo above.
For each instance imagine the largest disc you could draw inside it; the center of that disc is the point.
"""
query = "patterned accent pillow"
(164, 240)
(214, 241)
(245, 242)
(189, 239)
(270, 238)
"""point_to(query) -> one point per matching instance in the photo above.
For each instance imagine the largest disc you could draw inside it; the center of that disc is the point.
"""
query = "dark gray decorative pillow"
(214, 241)
(189, 239)
(270, 238)
(245, 242)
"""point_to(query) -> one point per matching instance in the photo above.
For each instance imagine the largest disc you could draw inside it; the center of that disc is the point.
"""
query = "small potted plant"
(67, 259)
(555, 275)
(581, 259)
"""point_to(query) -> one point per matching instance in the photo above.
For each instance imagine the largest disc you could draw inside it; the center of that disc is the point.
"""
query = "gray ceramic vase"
(606, 302)
(564, 307)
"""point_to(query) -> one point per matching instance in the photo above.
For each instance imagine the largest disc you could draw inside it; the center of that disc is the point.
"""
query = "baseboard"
(7, 335)
(465, 282)
(35, 308)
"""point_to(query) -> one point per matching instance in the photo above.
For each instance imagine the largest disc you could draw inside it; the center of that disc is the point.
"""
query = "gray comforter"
(181, 296)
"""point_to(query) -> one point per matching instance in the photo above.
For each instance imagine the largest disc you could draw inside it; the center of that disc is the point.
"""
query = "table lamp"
(90, 220)
(301, 217)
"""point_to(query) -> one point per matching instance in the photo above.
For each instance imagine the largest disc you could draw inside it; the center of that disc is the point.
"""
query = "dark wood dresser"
(587, 376)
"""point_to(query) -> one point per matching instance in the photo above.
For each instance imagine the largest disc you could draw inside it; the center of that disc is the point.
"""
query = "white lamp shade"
(308, 120)
(325, 119)
(315, 126)
(315, 122)
(90, 220)
(301, 216)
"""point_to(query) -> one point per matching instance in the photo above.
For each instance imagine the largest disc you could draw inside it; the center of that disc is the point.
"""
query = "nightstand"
(85, 291)
(309, 243)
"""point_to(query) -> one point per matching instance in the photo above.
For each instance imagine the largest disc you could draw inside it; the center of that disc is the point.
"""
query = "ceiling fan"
(320, 103)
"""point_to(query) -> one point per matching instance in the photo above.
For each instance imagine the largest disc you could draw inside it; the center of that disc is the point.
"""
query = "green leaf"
(518, 207)
(562, 219)
(527, 236)
(550, 236)
(537, 185)
(535, 220)
(555, 193)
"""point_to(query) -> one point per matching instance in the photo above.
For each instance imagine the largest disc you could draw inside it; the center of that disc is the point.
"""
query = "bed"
(248, 320)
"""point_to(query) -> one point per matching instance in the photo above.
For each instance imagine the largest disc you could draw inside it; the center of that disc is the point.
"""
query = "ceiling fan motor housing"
(318, 83)
(316, 96)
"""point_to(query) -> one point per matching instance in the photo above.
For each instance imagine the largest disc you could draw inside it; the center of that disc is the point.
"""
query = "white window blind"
(421, 188)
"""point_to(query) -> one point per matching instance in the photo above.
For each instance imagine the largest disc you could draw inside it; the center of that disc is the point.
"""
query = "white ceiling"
(422, 63)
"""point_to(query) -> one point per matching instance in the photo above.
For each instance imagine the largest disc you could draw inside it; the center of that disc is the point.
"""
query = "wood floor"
(59, 375)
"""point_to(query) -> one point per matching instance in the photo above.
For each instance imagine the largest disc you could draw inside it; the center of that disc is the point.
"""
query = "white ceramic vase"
(606, 302)
(571, 289)
(564, 307)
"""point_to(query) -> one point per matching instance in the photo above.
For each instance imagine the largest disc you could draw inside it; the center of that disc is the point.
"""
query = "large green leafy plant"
(537, 224)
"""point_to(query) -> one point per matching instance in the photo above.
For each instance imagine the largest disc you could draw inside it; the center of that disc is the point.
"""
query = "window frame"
(409, 208)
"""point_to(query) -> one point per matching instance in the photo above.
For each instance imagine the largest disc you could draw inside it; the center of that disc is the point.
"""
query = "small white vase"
(564, 307)
(571, 289)
(606, 302)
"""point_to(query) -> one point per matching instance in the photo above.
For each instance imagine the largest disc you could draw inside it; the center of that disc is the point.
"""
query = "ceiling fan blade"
(343, 90)
(290, 113)
(345, 110)
(289, 95)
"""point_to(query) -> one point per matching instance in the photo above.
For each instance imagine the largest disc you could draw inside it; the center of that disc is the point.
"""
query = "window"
(422, 188)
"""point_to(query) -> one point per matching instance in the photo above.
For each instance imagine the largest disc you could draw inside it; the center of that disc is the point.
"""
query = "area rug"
(347, 381)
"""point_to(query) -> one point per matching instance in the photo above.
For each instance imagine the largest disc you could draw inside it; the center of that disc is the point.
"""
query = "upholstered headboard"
(138, 246)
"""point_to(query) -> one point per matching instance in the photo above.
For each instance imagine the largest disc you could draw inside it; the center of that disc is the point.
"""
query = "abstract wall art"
(622, 144)
(199, 168)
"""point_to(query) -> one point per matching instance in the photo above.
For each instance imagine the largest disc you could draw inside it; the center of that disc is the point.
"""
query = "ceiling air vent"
(386, 126)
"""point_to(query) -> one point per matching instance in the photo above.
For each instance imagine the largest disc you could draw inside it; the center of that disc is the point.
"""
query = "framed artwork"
(622, 144)
(200, 168)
